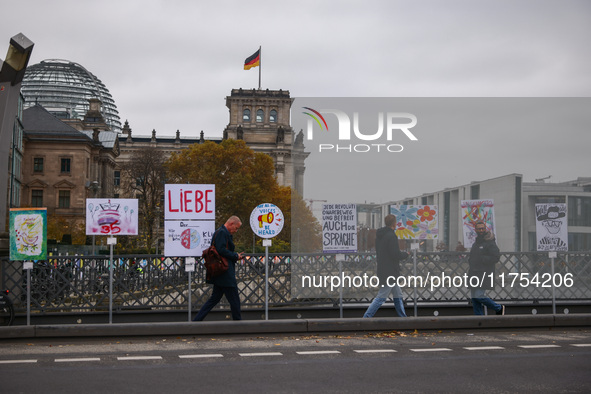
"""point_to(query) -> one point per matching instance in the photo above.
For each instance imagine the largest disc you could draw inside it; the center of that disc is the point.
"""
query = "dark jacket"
(224, 244)
(388, 254)
(484, 255)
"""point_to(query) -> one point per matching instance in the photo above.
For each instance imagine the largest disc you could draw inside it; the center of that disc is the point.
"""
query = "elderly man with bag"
(225, 284)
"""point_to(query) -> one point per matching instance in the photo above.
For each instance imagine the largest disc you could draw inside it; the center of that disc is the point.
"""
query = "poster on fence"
(473, 211)
(114, 216)
(339, 228)
(551, 227)
(187, 238)
(416, 221)
(28, 234)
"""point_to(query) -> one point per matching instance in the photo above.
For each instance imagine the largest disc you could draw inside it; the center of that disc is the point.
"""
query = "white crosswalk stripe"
(200, 355)
(260, 354)
(485, 348)
(75, 360)
(537, 346)
(375, 351)
(319, 352)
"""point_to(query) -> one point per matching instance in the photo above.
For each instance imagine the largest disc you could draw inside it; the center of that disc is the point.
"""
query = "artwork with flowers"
(416, 221)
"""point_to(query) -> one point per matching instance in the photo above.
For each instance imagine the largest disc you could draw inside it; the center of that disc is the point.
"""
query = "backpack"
(215, 265)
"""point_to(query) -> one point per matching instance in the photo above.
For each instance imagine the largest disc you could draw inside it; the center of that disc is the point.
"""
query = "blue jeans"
(479, 299)
(232, 296)
(381, 297)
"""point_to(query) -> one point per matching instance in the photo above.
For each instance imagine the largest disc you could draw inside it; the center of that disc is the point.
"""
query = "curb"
(304, 326)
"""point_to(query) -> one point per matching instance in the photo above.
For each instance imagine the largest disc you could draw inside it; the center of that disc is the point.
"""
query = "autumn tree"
(243, 180)
(58, 226)
(143, 177)
(306, 231)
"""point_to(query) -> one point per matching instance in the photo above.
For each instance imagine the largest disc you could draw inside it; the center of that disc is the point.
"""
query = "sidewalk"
(296, 326)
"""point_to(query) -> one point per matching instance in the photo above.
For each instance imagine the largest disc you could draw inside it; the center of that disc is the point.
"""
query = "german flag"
(253, 60)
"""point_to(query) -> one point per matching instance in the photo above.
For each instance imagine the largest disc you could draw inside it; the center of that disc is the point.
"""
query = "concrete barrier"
(304, 326)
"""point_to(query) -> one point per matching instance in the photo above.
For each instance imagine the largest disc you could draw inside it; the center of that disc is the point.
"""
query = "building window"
(65, 165)
(474, 192)
(117, 178)
(38, 164)
(37, 198)
(246, 115)
(549, 200)
(64, 199)
(260, 115)
(579, 211)
(273, 116)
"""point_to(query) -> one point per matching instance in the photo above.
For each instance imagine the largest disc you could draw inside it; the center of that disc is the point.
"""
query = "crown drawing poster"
(113, 216)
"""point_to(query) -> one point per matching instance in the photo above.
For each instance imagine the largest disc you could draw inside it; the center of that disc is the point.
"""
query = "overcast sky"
(170, 64)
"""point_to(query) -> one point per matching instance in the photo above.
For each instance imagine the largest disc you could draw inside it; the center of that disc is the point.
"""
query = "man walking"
(225, 284)
(484, 254)
(388, 256)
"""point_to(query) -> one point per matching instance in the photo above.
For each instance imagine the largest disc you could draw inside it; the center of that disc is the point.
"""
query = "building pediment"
(64, 184)
(37, 183)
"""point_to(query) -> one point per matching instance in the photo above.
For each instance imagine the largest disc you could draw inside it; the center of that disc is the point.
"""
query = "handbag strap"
(213, 239)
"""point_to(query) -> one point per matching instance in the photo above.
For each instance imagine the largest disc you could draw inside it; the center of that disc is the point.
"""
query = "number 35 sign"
(115, 216)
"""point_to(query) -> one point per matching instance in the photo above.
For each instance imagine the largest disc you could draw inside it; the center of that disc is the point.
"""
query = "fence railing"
(150, 282)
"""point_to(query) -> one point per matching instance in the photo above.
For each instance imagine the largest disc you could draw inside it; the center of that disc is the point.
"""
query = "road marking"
(139, 358)
(375, 351)
(485, 348)
(581, 344)
(74, 360)
(200, 355)
(319, 352)
(537, 346)
(17, 361)
(435, 349)
(260, 354)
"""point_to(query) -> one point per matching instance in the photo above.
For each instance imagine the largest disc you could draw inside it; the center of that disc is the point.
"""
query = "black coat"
(484, 255)
(388, 254)
(224, 244)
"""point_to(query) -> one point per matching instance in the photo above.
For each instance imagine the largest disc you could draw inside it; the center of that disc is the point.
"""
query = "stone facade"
(62, 163)
(262, 119)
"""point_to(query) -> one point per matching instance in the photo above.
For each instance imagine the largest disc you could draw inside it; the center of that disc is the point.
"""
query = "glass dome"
(64, 88)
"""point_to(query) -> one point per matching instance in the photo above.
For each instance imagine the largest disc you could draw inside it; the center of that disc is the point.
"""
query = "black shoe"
(502, 311)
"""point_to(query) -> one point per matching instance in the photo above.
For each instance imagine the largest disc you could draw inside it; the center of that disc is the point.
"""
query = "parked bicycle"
(6, 309)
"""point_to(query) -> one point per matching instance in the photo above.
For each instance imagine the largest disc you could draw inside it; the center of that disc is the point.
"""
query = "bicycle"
(6, 309)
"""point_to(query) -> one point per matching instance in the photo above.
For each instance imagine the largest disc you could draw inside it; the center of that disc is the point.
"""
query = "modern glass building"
(63, 88)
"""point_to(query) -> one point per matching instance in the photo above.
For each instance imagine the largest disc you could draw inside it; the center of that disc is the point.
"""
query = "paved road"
(539, 360)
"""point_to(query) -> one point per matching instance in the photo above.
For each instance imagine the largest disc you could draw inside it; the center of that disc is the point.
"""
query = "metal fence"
(149, 282)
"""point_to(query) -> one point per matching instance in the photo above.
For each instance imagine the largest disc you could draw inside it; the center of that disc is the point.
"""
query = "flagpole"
(260, 65)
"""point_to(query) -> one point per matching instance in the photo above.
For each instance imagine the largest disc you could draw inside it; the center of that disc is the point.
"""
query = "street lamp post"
(12, 71)
(94, 186)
